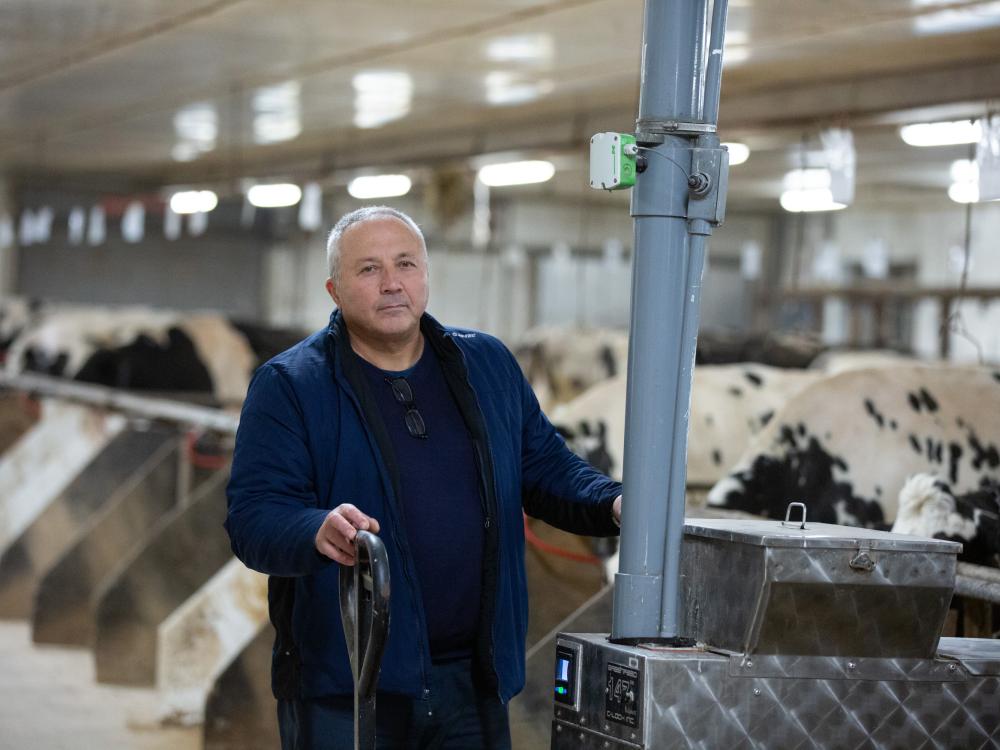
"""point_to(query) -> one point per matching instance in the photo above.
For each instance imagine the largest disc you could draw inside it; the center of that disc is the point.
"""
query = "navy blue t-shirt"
(442, 507)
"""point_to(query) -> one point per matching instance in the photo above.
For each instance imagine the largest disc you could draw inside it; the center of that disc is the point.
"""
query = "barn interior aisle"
(170, 174)
(49, 698)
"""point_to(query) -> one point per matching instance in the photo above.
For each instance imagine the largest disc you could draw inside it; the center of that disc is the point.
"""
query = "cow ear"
(608, 358)
(564, 433)
(602, 428)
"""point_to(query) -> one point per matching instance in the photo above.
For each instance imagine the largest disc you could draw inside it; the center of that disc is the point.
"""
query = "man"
(432, 438)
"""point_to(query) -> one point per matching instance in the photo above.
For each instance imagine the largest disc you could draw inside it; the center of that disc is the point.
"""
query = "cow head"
(590, 443)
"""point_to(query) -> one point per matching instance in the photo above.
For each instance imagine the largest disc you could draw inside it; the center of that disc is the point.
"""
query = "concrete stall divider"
(62, 612)
(58, 526)
(201, 638)
(182, 550)
(18, 414)
(241, 713)
(39, 466)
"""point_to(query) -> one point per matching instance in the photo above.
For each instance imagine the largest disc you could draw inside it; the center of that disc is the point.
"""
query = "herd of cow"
(871, 439)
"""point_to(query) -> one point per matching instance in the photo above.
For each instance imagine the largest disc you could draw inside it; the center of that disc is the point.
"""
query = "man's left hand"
(616, 510)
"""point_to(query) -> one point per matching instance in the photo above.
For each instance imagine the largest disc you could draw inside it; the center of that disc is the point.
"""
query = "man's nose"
(390, 280)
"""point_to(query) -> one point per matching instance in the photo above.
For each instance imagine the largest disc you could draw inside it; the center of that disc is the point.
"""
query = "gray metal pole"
(668, 264)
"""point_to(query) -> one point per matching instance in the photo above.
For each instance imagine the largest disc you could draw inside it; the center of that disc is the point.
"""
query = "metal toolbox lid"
(814, 535)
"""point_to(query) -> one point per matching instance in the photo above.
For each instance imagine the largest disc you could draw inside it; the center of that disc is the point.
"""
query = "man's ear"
(331, 289)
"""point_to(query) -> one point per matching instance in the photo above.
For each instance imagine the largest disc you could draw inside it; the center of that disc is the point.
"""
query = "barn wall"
(550, 262)
(8, 240)
(922, 243)
(211, 273)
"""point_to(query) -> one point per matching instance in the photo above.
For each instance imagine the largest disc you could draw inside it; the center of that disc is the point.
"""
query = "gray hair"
(365, 213)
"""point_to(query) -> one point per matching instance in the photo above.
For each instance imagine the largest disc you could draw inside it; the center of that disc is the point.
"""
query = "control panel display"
(565, 685)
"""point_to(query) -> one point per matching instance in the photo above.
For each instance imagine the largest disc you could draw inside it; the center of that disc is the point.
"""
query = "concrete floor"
(49, 699)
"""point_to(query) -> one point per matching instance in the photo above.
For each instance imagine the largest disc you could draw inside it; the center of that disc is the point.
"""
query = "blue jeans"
(453, 715)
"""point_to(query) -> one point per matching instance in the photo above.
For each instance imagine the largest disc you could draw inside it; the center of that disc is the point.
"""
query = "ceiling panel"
(209, 87)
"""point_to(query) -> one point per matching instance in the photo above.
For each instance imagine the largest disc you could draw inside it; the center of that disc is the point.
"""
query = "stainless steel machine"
(730, 633)
(807, 636)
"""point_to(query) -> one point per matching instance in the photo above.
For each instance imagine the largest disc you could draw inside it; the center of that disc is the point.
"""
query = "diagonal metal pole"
(677, 200)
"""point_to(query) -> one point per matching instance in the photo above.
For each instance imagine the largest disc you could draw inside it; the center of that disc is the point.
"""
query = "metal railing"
(148, 407)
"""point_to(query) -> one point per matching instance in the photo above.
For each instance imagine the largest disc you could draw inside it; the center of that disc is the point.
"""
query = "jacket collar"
(339, 339)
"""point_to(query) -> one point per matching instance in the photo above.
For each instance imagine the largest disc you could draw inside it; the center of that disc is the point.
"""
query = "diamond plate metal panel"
(691, 701)
(852, 599)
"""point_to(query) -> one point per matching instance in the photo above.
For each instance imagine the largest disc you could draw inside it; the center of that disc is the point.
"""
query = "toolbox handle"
(788, 515)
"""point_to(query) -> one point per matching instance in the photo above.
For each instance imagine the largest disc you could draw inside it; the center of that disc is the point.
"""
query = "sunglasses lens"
(415, 424)
(401, 390)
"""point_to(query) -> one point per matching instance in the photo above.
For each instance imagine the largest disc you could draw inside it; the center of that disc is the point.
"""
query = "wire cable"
(687, 175)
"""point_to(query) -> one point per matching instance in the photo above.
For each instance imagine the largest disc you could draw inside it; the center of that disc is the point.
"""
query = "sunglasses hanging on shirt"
(404, 395)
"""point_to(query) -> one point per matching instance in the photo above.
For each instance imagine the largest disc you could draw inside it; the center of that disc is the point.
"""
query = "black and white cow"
(561, 363)
(729, 404)
(146, 349)
(773, 348)
(929, 507)
(846, 445)
(16, 314)
(836, 361)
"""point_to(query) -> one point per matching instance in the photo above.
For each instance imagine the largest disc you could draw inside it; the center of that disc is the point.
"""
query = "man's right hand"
(335, 537)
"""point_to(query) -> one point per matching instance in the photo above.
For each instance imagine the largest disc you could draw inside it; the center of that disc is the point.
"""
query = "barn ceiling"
(218, 89)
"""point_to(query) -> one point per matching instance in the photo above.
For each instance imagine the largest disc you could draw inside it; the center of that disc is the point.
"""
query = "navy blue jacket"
(311, 438)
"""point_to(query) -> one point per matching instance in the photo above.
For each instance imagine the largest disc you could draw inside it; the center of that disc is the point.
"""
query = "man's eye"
(367, 269)
(407, 263)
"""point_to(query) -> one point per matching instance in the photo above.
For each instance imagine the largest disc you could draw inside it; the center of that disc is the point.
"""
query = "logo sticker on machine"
(621, 689)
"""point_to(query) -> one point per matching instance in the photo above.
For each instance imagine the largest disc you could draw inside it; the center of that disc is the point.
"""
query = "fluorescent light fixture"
(277, 195)
(964, 192)
(808, 190)
(807, 179)
(941, 133)
(738, 153)
(504, 88)
(185, 151)
(277, 113)
(197, 128)
(521, 48)
(957, 20)
(381, 96)
(735, 55)
(379, 186)
(964, 170)
(516, 173)
(807, 201)
(193, 201)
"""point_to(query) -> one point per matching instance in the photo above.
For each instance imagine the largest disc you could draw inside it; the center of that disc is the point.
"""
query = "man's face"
(382, 290)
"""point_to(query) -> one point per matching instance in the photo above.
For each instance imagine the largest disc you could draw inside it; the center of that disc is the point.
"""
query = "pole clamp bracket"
(653, 131)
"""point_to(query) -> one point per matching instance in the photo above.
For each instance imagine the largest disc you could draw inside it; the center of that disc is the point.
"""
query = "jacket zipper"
(490, 509)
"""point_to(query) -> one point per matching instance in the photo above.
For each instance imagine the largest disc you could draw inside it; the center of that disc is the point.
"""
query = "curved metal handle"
(364, 610)
(788, 515)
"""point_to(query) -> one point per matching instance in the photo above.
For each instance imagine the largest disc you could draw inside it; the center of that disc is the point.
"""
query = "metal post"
(675, 203)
